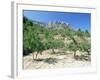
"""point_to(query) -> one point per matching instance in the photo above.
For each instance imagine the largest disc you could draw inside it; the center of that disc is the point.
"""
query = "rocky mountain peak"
(57, 25)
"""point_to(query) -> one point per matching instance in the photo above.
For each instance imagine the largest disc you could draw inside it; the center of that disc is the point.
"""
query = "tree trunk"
(40, 52)
(37, 55)
(74, 54)
(33, 55)
(53, 51)
(88, 52)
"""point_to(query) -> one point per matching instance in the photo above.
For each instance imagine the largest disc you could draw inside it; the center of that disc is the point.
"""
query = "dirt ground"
(51, 61)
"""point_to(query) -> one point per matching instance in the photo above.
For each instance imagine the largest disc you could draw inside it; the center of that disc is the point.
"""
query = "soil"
(51, 61)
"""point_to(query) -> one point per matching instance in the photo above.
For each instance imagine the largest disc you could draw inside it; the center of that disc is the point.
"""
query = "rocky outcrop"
(57, 25)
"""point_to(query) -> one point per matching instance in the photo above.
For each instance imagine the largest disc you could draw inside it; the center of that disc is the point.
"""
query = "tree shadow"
(39, 60)
(83, 57)
(27, 52)
(47, 60)
(51, 60)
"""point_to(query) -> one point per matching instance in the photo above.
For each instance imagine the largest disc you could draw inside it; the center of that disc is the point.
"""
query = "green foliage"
(31, 38)
(53, 44)
(87, 33)
(72, 47)
(67, 32)
(85, 46)
(79, 33)
(48, 35)
(27, 22)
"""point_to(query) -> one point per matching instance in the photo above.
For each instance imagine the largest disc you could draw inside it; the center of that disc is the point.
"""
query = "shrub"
(72, 47)
(85, 46)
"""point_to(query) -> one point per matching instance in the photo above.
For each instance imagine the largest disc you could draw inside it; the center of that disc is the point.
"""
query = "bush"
(85, 46)
(72, 47)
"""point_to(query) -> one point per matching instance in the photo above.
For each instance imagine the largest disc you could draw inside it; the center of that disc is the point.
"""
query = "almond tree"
(85, 46)
(72, 47)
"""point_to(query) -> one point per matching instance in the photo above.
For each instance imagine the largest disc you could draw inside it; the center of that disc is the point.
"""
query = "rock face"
(57, 25)
(53, 24)
(39, 23)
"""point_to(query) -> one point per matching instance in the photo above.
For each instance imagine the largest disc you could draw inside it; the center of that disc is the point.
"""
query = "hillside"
(57, 38)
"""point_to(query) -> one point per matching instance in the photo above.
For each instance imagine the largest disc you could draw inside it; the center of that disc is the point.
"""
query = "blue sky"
(76, 20)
